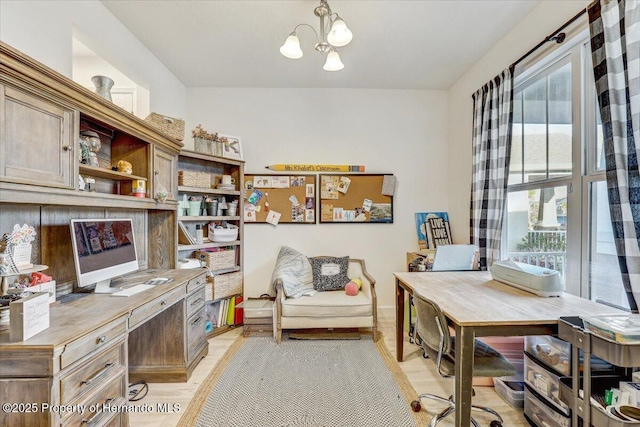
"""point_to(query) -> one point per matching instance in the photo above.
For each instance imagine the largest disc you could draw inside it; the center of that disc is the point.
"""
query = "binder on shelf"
(231, 311)
(238, 311)
(184, 237)
(220, 312)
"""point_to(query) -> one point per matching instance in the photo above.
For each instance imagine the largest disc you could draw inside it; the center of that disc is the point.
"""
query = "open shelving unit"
(215, 166)
(623, 355)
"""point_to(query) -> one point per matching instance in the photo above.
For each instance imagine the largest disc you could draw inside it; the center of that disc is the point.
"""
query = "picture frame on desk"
(233, 148)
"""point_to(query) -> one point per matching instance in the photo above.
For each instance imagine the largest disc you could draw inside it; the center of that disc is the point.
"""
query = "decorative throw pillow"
(330, 273)
(294, 269)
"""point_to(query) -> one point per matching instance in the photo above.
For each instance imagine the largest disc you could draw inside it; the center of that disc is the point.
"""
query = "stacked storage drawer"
(546, 360)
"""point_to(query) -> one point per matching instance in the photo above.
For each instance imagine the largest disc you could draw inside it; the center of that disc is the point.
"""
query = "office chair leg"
(441, 416)
(416, 406)
(434, 397)
(489, 410)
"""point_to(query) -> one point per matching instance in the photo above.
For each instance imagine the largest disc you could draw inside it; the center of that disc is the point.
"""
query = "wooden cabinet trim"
(22, 68)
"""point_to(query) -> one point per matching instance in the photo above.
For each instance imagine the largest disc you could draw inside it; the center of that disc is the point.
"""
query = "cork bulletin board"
(280, 199)
(354, 199)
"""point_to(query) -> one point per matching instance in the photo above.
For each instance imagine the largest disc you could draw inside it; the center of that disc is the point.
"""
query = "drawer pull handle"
(195, 322)
(197, 301)
(101, 339)
(97, 415)
(163, 303)
(98, 374)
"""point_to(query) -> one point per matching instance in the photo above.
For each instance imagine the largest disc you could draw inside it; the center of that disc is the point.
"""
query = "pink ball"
(351, 289)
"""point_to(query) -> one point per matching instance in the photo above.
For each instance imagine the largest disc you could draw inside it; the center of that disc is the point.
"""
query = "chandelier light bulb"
(291, 47)
(339, 35)
(333, 62)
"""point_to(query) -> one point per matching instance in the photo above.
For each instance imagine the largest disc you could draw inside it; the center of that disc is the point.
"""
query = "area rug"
(305, 383)
(323, 334)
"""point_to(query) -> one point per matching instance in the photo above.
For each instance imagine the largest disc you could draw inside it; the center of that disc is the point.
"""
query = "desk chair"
(439, 345)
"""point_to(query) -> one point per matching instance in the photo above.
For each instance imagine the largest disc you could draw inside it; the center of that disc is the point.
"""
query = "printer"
(538, 280)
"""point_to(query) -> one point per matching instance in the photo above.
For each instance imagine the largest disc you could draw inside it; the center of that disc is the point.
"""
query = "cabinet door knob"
(101, 339)
(156, 173)
(67, 148)
(163, 303)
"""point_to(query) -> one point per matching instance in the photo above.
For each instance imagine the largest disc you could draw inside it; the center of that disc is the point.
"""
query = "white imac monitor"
(103, 249)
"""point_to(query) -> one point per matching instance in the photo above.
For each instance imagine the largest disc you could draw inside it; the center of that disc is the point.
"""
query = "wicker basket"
(167, 125)
(194, 179)
(207, 146)
(218, 260)
(223, 286)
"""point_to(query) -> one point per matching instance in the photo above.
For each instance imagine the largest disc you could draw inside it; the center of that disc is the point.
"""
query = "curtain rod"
(556, 36)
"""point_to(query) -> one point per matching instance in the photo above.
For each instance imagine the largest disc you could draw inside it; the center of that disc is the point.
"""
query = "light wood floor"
(421, 372)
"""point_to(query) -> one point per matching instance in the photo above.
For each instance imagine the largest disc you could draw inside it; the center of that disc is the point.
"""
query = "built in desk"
(475, 305)
(96, 344)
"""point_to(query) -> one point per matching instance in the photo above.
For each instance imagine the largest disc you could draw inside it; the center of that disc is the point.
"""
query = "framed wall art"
(232, 147)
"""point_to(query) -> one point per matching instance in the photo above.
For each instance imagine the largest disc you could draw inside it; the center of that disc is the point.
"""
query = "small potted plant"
(205, 142)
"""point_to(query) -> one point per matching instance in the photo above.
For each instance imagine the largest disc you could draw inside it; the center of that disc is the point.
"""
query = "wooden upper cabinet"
(165, 173)
(42, 114)
(37, 141)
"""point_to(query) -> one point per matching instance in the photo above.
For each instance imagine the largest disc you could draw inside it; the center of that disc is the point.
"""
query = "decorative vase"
(103, 86)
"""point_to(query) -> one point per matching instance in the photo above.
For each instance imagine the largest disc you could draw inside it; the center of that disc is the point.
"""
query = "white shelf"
(208, 218)
(208, 245)
(200, 190)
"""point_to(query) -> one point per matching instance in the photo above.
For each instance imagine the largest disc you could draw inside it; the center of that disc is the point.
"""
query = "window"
(557, 207)
(541, 168)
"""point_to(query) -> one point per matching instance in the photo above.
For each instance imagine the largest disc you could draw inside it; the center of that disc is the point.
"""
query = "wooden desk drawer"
(195, 301)
(155, 306)
(93, 373)
(195, 282)
(111, 396)
(195, 332)
(94, 340)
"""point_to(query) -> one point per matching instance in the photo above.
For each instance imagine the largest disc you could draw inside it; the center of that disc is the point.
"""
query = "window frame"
(577, 242)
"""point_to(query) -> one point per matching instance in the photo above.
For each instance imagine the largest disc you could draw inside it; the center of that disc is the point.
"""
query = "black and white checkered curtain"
(615, 49)
(492, 119)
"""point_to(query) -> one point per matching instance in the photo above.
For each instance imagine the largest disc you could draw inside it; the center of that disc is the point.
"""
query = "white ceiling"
(397, 44)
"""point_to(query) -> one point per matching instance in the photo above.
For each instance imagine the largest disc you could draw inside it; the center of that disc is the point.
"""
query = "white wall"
(400, 132)
(85, 67)
(44, 31)
(535, 27)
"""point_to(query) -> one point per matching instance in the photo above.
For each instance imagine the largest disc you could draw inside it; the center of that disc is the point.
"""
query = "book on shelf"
(231, 311)
(212, 313)
(225, 308)
(184, 237)
(238, 311)
(433, 229)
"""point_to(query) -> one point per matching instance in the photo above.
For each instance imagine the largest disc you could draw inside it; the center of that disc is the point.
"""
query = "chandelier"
(333, 33)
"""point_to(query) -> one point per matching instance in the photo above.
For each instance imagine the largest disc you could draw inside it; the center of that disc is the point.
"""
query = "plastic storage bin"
(541, 413)
(550, 350)
(511, 391)
(544, 382)
(622, 329)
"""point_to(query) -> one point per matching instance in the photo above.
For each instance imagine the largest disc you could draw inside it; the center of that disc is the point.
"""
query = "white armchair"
(330, 309)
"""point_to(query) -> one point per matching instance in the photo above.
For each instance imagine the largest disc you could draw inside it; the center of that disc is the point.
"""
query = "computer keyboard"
(136, 289)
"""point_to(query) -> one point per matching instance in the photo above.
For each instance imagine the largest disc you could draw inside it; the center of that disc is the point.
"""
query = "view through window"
(556, 152)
